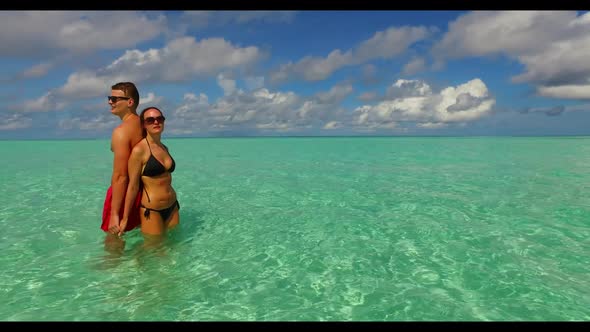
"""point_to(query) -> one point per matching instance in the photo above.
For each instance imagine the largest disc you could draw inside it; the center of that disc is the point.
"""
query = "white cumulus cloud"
(33, 33)
(417, 103)
(553, 46)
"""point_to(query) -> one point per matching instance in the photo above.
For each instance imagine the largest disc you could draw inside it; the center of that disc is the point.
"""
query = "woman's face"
(153, 121)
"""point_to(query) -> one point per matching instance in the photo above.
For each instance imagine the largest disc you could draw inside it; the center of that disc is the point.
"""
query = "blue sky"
(298, 73)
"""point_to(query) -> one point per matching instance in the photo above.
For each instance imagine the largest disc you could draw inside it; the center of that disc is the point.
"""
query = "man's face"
(119, 102)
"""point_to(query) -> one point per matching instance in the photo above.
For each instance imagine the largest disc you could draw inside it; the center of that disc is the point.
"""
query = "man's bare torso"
(131, 129)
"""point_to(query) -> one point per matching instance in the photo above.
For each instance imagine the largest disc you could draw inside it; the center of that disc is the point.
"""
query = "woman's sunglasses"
(150, 119)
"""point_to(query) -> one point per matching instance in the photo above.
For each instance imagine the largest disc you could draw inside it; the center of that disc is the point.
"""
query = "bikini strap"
(146, 214)
(148, 196)
(148, 143)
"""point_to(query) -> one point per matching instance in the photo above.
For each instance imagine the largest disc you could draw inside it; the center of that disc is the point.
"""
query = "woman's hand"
(122, 226)
(114, 224)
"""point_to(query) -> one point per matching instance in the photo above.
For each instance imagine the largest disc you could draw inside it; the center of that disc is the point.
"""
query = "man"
(123, 100)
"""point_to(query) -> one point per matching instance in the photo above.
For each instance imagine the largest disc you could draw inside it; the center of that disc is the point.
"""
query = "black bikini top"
(153, 167)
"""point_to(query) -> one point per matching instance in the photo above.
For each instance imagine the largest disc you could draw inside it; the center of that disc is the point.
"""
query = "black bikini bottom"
(165, 213)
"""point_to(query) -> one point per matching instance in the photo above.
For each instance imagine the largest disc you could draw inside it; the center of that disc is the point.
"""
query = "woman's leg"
(174, 218)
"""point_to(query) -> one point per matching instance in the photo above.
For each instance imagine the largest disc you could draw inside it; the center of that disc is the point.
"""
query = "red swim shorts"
(133, 221)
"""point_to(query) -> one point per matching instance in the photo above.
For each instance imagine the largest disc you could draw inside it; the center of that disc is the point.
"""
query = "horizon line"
(296, 136)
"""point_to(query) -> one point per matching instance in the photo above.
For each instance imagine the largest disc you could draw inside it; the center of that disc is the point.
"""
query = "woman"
(151, 163)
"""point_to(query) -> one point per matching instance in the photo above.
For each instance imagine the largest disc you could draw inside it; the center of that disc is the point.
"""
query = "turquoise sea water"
(307, 229)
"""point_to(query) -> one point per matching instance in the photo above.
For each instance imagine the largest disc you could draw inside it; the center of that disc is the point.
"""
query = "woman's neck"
(153, 138)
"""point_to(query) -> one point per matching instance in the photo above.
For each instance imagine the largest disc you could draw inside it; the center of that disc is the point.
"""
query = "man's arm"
(120, 178)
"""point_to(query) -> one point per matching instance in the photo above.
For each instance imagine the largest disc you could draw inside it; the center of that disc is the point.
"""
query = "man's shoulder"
(120, 132)
(131, 125)
(122, 135)
(128, 128)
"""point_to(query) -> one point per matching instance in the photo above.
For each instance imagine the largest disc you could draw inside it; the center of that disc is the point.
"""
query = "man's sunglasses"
(150, 119)
(115, 99)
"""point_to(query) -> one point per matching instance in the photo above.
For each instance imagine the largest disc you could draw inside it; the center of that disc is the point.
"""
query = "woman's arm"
(134, 168)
